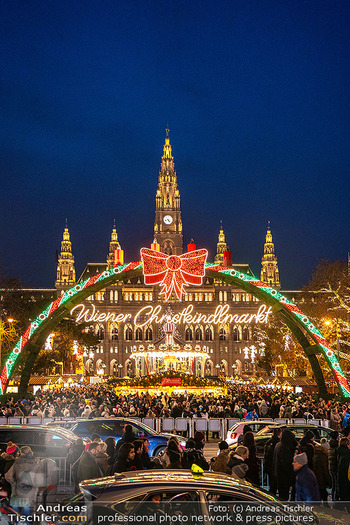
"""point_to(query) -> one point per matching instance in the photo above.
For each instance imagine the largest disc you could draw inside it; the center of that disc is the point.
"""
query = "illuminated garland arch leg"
(302, 327)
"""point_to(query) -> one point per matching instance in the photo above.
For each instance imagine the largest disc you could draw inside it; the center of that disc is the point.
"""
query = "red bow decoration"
(173, 271)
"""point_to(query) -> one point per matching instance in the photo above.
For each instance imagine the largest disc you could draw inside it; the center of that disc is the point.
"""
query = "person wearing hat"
(219, 464)
(306, 486)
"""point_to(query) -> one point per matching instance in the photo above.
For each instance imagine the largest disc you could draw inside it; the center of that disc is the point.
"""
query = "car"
(236, 430)
(45, 442)
(106, 427)
(298, 429)
(62, 423)
(189, 497)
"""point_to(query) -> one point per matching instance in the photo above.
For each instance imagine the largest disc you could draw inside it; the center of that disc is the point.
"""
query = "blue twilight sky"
(257, 97)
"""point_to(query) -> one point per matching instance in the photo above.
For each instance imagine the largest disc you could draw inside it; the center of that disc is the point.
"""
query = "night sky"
(257, 98)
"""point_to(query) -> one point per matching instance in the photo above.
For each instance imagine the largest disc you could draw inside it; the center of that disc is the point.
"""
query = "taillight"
(233, 435)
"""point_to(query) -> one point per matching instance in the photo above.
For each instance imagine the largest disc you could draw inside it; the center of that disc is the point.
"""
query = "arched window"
(222, 334)
(245, 333)
(235, 334)
(208, 333)
(148, 334)
(100, 332)
(198, 333)
(188, 334)
(114, 333)
(138, 334)
(128, 332)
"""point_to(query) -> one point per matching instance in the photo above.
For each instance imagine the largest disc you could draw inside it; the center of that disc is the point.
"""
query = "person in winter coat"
(333, 462)
(236, 463)
(111, 452)
(283, 464)
(127, 437)
(175, 460)
(102, 458)
(246, 429)
(252, 474)
(346, 418)
(306, 487)
(191, 455)
(173, 444)
(138, 444)
(268, 458)
(321, 470)
(88, 467)
(125, 458)
(343, 457)
(23, 476)
(307, 445)
(219, 464)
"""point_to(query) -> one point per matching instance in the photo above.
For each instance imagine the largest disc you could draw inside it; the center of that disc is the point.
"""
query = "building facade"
(213, 332)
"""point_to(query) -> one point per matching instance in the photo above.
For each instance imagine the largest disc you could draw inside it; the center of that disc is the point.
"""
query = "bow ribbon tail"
(179, 282)
(168, 284)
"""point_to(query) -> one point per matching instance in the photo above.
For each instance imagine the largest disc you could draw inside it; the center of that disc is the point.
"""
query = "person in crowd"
(174, 460)
(88, 466)
(343, 457)
(306, 486)
(268, 458)
(199, 438)
(193, 455)
(75, 451)
(252, 474)
(219, 463)
(147, 462)
(252, 415)
(48, 475)
(102, 458)
(335, 420)
(7, 458)
(283, 464)
(246, 429)
(138, 445)
(173, 444)
(346, 418)
(236, 464)
(23, 477)
(111, 452)
(125, 458)
(321, 469)
(127, 437)
(333, 462)
(307, 445)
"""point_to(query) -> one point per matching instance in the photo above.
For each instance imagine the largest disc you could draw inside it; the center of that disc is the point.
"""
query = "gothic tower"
(269, 266)
(167, 223)
(65, 266)
(221, 247)
(115, 253)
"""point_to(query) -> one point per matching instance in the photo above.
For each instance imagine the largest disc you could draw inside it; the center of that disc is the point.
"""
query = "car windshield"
(145, 427)
(266, 430)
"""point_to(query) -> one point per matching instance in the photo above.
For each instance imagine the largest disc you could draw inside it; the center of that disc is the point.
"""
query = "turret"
(65, 265)
(269, 265)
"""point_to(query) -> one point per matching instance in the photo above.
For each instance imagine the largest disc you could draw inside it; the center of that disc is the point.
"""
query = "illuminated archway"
(310, 338)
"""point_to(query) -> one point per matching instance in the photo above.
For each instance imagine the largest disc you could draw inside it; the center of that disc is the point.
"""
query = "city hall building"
(209, 332)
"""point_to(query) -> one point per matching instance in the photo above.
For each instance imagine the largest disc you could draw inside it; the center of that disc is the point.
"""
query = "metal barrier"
(150, 422)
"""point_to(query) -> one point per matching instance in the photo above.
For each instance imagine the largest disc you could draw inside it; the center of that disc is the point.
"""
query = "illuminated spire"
(221, 246)
(65, 265)
(113, 246)
(269, 265)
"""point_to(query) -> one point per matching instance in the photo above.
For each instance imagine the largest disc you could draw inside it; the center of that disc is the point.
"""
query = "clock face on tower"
(168, 219)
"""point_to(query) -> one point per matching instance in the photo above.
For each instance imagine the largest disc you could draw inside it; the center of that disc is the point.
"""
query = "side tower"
(269, 266)
(167, 223)
(65, 266)
(115, 253)
(221, 247)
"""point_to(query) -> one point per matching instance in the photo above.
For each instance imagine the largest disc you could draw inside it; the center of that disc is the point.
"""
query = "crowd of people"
(302, 471)
(240, 402)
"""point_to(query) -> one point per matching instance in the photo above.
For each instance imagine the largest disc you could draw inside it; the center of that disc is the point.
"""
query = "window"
(209, 333)
(222, 334)
(198, 334)
(245, 333)
(138, 334)
(148, 334)
(100, 332)
(114, 333)
(128, 333)
(235, 334)
(188, 334)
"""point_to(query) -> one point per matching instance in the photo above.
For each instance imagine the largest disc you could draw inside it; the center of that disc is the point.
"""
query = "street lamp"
(120, 366)
(217, 366)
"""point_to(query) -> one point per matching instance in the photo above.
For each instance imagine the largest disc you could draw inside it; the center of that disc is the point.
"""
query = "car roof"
(163, 477)
(59, 430)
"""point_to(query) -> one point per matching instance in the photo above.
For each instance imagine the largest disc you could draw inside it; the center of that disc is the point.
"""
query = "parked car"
(106, 427)
(62, 423)
(192, 498)
(46, 442)
(236, 430)
(299, 430)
